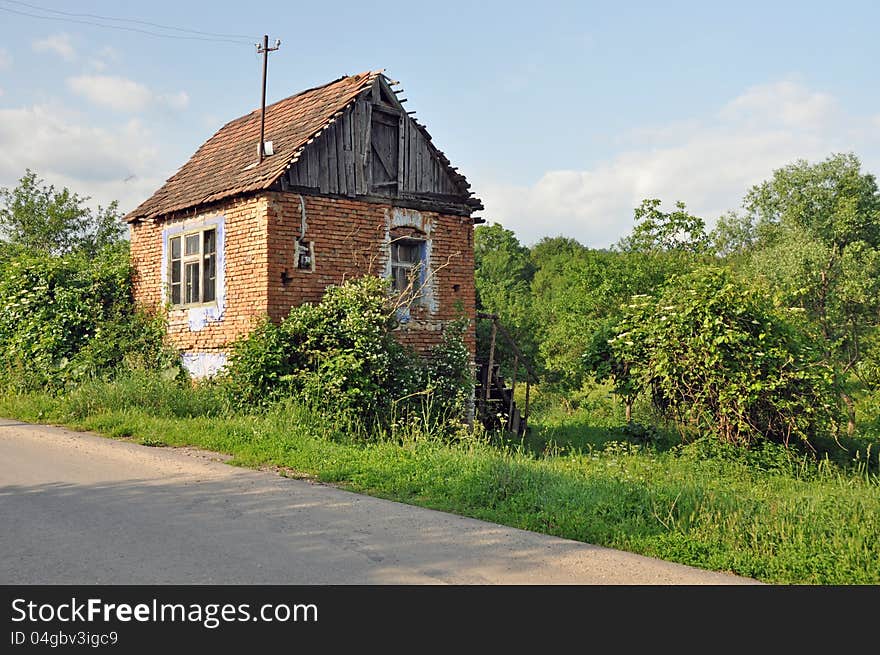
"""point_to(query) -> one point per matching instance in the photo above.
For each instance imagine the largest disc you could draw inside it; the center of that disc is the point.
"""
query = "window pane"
(192, 244)
(406, 252)
(210, 246)
(398, 278)
(411, 253)
(209, 276)
(191, 283)
(175, 271)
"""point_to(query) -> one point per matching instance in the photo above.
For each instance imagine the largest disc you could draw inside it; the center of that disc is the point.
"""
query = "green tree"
(716, 355)
(818, 248)
(39, 218)
(66, 318)
(656, 230)
(503, 275)
(576, 292)
(734, 235)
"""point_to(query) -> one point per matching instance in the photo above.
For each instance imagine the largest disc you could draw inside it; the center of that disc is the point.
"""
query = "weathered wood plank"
(417, 166)
(367, 152)
(411, 158)
(432, 173)
(401, 146)
(339, 145)
(424, 169)
(407, 156)
(348, 147)
(332, 170)
(323, 161)
(451, 186)
(312, 158)
(358, 133)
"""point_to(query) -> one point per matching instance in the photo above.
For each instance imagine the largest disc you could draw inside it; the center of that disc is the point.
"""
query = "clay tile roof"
(226, 164)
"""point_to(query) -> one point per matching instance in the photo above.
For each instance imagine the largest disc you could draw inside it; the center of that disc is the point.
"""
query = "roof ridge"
(365, 74)
(227, 164)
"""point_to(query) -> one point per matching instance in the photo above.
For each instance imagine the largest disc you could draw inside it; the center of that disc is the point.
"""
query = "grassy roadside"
(792, 522)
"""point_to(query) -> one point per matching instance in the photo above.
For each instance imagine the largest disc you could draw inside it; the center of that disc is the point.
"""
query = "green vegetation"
(344, 348)
(66, 308)
(790, 326)
(717, 358)
(35, 217)
(708, 398)
(760, 513)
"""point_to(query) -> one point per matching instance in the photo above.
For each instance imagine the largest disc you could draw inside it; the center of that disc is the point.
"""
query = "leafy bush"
(339, 348)
(715, 355)
(66, 318)
(341, 355)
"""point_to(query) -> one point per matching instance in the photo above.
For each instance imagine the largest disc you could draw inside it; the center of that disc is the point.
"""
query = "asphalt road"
(80, 509)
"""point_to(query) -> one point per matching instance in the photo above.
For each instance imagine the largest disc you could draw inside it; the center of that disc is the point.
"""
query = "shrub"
(341, 355)
(66, 318)
(716, 355)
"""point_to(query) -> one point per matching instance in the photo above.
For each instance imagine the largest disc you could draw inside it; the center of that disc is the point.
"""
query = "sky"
(562, 115)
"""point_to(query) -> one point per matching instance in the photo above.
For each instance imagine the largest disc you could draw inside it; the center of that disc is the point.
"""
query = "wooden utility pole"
(264, 50)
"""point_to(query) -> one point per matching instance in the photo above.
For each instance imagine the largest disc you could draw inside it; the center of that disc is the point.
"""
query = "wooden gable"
(375, 149)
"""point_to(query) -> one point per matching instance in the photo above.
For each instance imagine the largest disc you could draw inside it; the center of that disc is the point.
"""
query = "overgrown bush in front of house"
(66, 318)
(341, 355)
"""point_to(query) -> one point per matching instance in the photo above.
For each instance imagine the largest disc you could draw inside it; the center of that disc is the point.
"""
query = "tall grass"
(769, 515)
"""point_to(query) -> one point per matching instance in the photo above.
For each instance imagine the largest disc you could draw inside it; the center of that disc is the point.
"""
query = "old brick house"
(350, 185)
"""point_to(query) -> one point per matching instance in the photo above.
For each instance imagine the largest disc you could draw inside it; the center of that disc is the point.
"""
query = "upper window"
(193, 264)
(385, 150)
(406, 265)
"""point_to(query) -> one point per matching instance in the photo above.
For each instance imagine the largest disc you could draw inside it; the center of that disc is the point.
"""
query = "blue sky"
(563, 115)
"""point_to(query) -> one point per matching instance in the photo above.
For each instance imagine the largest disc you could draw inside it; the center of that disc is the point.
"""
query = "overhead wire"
(71, 17)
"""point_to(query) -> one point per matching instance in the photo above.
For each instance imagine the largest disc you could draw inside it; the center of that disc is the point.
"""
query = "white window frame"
(196, 260)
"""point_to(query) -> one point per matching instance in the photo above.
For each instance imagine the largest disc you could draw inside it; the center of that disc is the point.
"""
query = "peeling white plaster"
(203, 365)
(403, 217)
(199, 317)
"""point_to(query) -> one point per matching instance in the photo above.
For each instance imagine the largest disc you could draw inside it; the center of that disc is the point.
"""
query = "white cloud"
(101, 61)
(114, 92)
(709, 164)
(179, 100)
(121, 94)
(785, 103)
(5, 59)
(107, 163)
(60, 44)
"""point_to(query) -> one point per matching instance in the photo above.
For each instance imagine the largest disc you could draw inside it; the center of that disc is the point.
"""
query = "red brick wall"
(245, 272)
(348, 237)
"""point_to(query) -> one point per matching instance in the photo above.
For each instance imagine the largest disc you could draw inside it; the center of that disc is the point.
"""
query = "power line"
(71, 18)
(129, 20)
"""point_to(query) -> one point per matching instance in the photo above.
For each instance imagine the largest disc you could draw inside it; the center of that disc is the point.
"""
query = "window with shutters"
(385, 151)
(192, 271)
